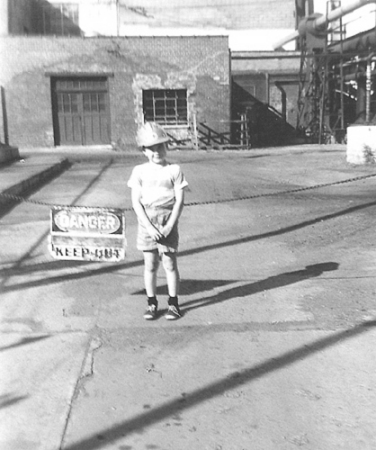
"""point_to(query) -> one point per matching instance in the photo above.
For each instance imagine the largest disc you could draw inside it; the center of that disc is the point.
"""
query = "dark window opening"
(60, 19)
(165, 106)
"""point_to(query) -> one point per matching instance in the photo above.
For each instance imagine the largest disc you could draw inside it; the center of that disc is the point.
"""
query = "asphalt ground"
(276, 346)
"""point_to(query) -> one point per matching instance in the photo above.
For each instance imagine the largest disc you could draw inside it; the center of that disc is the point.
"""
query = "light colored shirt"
(157, 183)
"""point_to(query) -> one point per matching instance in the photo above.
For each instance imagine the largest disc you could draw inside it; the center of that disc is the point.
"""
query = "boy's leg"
(151, 264)
(151, 261)
(172, 275)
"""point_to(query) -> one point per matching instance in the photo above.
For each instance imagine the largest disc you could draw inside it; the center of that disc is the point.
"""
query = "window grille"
(82, 84)
(165, 106)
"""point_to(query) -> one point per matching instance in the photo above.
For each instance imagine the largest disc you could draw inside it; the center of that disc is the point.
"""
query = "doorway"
(81, 112)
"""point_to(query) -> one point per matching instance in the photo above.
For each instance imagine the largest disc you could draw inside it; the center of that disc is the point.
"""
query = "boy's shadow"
(273, 282)
(189, 287)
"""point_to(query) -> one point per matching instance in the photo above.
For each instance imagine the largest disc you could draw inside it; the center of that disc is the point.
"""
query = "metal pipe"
(368, 87)
(337, 13)
(357, 44)
(321, 22)
(286, 40)
(5, 115)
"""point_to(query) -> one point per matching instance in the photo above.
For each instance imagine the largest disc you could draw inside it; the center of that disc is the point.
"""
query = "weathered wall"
(199, 64)
(20, 17)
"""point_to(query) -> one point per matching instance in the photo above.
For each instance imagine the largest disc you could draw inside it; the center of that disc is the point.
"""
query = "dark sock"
(173, 301)
(152, 301)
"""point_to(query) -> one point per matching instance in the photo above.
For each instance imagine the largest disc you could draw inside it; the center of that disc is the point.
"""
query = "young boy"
(158, 201)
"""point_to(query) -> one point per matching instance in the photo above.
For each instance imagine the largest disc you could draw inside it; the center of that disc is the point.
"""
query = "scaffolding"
(336, 75)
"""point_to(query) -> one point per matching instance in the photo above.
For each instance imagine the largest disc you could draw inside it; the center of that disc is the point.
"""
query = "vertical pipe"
(195, 132)
(5, 117)
(368, 88)
(342, 87)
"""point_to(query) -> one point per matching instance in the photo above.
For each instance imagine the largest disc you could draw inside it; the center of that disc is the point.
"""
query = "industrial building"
(88, 72)
(337, 68)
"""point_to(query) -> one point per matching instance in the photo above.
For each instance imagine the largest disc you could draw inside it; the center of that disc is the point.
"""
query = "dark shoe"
(173, 313)
(151, 313)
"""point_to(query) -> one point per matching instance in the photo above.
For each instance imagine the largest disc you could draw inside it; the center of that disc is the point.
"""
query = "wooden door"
(81, 111)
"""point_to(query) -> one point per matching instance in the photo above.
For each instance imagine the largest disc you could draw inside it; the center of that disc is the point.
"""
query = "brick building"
(73, 73)
(89, 91)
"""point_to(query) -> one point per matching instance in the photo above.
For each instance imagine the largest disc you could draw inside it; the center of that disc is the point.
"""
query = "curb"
(12, 196)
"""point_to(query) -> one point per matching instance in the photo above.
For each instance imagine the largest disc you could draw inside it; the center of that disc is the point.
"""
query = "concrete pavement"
(275, 350)
(19, 177)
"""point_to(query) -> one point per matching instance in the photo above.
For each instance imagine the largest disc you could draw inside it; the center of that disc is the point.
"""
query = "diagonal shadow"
(12, 270)
(269, 283)
(24, 341)
(9, 400)
(201, 395)
(9, 204)
(280, 231)
(188, 287)
(18, 265)
(205, 248)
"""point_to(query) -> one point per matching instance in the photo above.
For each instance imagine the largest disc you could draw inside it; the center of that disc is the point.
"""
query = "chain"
(17, 198)
(290, 191)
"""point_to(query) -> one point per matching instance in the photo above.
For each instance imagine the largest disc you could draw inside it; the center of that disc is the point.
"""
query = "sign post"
(87, 234)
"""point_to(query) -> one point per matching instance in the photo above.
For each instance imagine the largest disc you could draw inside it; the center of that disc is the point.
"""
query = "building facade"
(60, 91)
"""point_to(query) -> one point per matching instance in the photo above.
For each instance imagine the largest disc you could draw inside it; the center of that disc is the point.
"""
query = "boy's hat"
(151, 134)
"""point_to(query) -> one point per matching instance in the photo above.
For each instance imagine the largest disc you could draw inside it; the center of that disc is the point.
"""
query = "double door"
(81, 111)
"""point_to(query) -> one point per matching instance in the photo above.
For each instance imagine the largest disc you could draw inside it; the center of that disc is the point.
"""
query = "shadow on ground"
(232, 381)
(8, 272)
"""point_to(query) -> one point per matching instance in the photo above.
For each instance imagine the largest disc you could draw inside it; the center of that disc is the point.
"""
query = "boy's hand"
(155, 234)
(166, 230)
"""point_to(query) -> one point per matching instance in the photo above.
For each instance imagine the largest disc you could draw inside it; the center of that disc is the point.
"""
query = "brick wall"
(199, 64)
(265, 14)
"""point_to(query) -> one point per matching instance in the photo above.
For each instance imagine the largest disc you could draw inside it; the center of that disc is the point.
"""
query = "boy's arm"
(176, 212)
(154, 233)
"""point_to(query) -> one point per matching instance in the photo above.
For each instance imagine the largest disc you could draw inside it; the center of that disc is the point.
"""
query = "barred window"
(165, 106)
(60, 19)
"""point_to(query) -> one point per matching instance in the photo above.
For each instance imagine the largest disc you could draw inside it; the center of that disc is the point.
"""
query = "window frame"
(167, 107)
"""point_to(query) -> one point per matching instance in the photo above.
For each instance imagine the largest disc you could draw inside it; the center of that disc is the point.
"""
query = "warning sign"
(91, 234)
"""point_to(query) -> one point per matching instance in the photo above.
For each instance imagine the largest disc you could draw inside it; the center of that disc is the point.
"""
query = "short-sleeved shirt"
(158, 184)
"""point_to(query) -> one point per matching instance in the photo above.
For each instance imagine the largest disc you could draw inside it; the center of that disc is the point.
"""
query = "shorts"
(158, 217)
